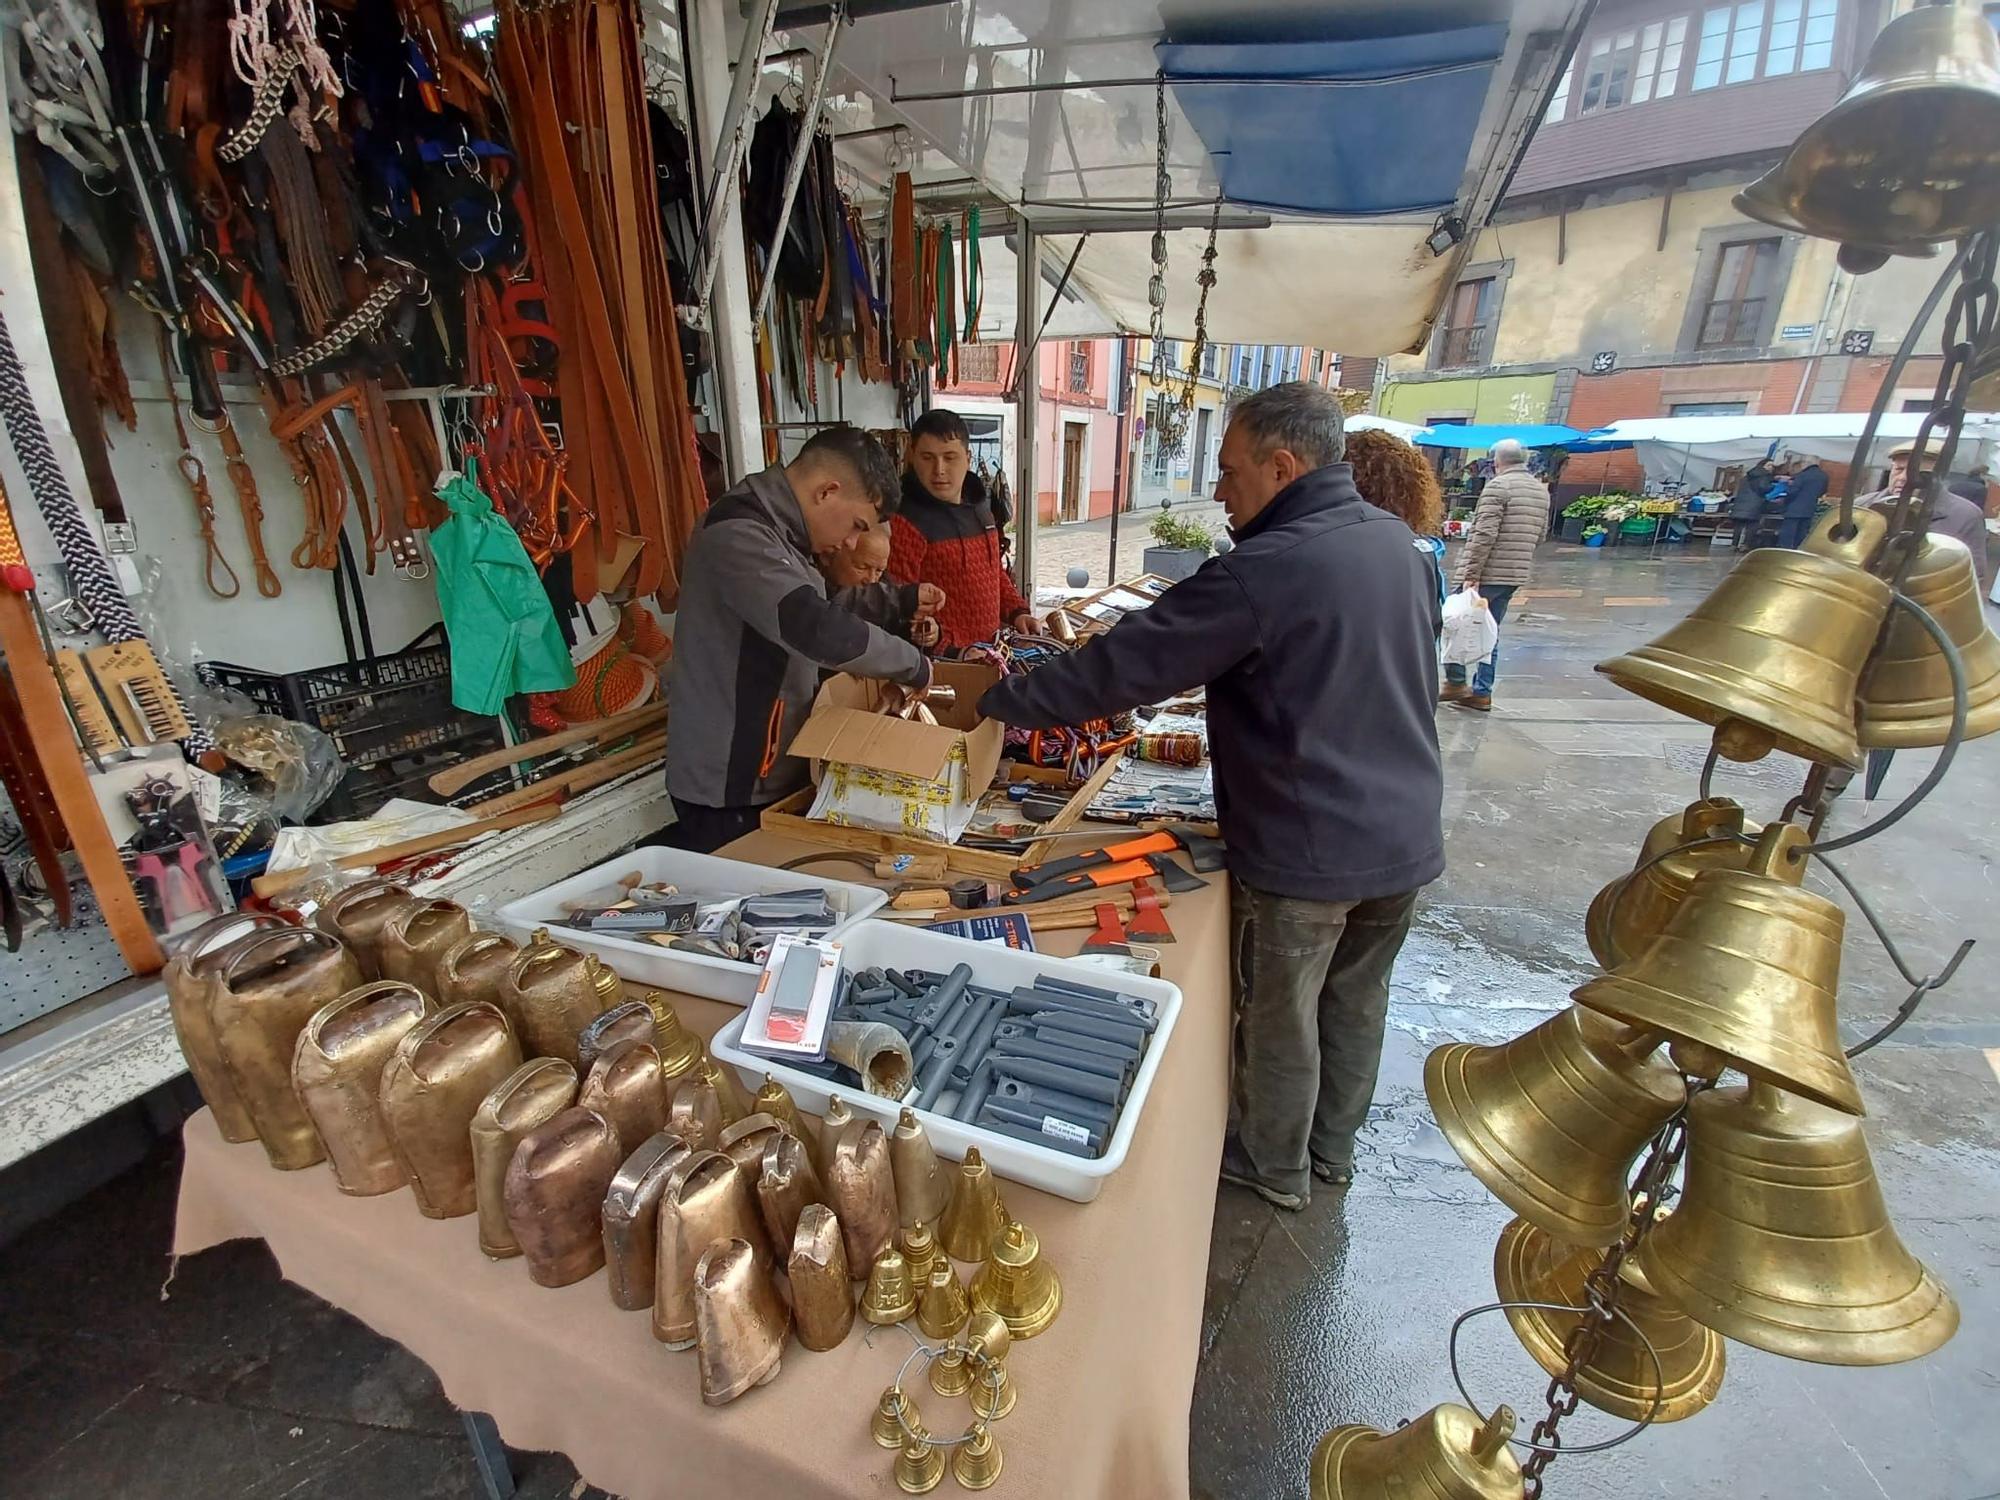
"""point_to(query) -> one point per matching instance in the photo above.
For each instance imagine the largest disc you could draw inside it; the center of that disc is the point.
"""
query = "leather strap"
(250, 504)
(196, 478)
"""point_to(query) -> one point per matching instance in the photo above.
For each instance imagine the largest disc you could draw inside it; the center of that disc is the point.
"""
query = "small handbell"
(975, 1213)
(1018, 1283)
(533, 1094)
(891, 1297)
(942, 1306)
(822, 1294)
(951, 1371)
(976, 1463)
(624, 1085)
(1634, 909)
(740, 1321)
(987, 1343)
(1446, 1454)
(919, 1468)
(895, 1421)
(337, 1073)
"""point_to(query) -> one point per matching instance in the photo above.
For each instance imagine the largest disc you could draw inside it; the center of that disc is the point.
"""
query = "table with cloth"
(1104, 1393)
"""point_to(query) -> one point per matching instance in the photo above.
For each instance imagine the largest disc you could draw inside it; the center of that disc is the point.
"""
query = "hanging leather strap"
(250, 504)
(903, 267)
(196, 478)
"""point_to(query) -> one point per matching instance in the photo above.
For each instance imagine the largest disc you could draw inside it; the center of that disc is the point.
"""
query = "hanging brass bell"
(610, 988)
(942, 1306)
(891, 1296)
(415, 938)
(624, 1085)
(1773, 655)
(1909, 158)
(986, 1343)
(951, 1371)
(188, 977)
(1530, 1265)
(895, 1421)
(822, 1294)
(337, 1074)
(533, 1094)
(629, 1022)
(356, 914)
(922, 1188)
(975, 1213)
(921, 1252)
(632, 1219)
(1551, 1121)
(1748, 966)
(976, 1464)
(740, 1321)
(475, 968)
(1781, 1239)
(1906, 694)
(1446, 1454)
(1630, 912)
(919, 1468)
(1018, 1283)
(441, 1073)
(551, 994)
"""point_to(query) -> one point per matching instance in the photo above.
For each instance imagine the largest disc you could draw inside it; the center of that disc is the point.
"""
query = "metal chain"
(266, 105)
(1156, 289)
(365, 317)
(1184, 403)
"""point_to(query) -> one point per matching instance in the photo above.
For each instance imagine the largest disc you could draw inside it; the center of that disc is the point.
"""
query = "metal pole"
(1027, 392)
(802, 150)
(1261, 80)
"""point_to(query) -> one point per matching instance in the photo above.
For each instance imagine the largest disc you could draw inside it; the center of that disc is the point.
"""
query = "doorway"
(1199, 483)
(1072, 472)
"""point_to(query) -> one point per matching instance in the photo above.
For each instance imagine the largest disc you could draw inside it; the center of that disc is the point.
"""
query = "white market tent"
(1692, 448)
(1369, 422)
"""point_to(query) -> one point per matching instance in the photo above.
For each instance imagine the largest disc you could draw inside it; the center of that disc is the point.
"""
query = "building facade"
(1618, 279)
(1080, 420)
(1226, 371)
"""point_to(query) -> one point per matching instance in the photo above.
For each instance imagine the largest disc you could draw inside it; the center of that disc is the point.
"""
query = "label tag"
(1063, 1130)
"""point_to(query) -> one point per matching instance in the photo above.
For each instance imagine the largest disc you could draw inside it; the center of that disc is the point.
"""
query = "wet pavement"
(234, 1383)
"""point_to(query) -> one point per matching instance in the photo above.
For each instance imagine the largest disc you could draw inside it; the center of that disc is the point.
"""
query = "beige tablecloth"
(1104, 1393)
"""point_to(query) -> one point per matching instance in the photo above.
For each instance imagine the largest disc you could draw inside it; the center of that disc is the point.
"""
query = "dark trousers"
(703, 830)
(1745, 529)
(1497, 596)
(1793, 529)
(1310, 999)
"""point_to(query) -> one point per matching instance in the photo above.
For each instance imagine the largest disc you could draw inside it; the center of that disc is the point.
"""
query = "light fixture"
(1448, 231)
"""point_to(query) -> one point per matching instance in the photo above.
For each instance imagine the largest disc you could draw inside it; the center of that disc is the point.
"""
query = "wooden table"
(1104, 1393)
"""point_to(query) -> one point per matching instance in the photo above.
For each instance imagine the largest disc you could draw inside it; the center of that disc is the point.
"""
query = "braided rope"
(368, 315)
(89, 572)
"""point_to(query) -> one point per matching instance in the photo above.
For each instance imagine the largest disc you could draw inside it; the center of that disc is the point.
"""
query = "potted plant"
(1179, 547)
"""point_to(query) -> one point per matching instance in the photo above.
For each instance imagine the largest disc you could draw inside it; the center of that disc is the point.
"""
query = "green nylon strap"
(972, 274)
(947, 291)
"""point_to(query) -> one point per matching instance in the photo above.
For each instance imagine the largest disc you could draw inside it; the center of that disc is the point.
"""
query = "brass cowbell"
(1630, 912)
(1446, 1454)
(1551, 1121)
(1774, 653)
(1906, 695)
(1781, 1239)
(1748, 966)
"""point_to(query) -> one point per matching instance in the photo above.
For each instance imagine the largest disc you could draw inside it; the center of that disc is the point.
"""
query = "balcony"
(1463, 346)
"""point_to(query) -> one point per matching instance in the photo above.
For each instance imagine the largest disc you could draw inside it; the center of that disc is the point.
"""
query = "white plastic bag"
(1470, 633)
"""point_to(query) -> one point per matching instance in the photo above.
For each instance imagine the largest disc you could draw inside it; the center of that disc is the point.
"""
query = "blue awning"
(1387, 133)
(1483, 435)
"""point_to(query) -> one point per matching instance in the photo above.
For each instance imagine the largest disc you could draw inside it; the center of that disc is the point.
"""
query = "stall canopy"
(1369, 422)
(1483, 435)
(1690, 448)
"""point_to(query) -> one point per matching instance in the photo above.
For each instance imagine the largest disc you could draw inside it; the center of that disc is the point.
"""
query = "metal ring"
(1659, 1375)
(926, 1353)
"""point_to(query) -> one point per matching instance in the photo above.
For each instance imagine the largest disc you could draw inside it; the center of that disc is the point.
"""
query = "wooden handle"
(453, 779)
(582, 779)
(445, 838)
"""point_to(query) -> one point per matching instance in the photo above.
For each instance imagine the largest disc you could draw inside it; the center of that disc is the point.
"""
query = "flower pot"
(1174, 563)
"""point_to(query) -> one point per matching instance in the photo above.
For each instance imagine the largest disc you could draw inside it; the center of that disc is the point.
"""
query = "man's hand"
(930, 599)
(1026, 624)
(924, 633)
(897, 696)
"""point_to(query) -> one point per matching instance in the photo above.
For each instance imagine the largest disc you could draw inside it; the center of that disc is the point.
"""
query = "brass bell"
(551, 994)
(260, 1000)
(610, 988)
(1781, 1239)
(1909, 158)
(728, 1091)
(921, 1253)
(891, 1296)
(629, 1022)
(1630, 912)
(1018, 1283)
(860, 1188)
(986, 1345)
(680, 1049)
(1446, 1454)
(475, 968)
(919, 1468)
(976, 1464)
(744, 1143)
(1906, 692)
(1773, 655)
(740, 1321)
(188, 977)
(696, 1114)
(951, 1371)
(337, 1073)
(415, 938)
(1551, 1121)
(942, 1306)
(632, 1218)
(975, 1213)
(433, 1085)
(895, 1421)
(624, 1085)
(774, 1099)
(786, 1185)
(822, 1294)
(356, 914)
(922, 1188)
(555, 1195)
(533, 1094)
(1530, 1265)
(1748, 966)
(706, 1201)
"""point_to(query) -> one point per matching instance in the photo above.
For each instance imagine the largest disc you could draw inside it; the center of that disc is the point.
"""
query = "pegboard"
(58, 965)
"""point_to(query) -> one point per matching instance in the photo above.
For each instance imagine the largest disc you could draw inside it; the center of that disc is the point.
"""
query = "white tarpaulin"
(1691, 449)
(1367, 421)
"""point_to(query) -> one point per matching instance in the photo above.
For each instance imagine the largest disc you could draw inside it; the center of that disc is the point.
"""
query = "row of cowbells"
(1777, 656)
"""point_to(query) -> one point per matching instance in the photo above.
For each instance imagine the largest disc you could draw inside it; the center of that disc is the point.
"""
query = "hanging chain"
(1156, 289)
(1184, 403)
(1651, 1191)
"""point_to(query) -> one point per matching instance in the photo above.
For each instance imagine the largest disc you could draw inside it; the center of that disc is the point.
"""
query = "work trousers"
(703, 830)
(1310, 998)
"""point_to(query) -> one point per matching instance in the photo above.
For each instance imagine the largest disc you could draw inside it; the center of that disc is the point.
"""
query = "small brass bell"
(1529, 1265)
(922, 1188)
(610, 988)
(1777, 646)
(942, 1306)
(1906, 693)
(986, 1344)
(1630, 912)
(921, 1252)
(696, 1113)
(1551, 1121)
(1781, 1239)
(1018, 1283)
(976, 1464)
(993, 1392)
(975, 1213)
(680, 1049)
(1748, 966)
(919, 1468)
(891, 1297)
(895, 1420)
(1446, 1454)
(951, 1372)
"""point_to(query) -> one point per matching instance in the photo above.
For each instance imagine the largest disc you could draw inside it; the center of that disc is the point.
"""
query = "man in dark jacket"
(1805, 489)
(1316, 638)
(755, 628)
(1746, 506)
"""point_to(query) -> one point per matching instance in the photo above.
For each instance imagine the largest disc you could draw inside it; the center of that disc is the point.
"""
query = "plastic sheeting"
(1691, 449)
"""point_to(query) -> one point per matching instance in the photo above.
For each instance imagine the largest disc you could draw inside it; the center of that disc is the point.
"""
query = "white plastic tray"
(893, 946)
(669, 968)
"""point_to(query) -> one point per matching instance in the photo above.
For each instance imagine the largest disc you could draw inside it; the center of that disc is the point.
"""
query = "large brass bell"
(1529, 1265)
(1632, 910)
(1446, 1454)
(1774, 653)
(1748, 966)
(189, 975)
(1018, 1283)
(1910, 156)
(1906, 696)
(1781, 1239)
(1551, 1121)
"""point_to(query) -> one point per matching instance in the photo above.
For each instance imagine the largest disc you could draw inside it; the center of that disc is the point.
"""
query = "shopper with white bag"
(1513, 516)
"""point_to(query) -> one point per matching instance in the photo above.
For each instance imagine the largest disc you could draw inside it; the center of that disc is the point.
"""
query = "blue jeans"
(1792, 530)
(1496, 596)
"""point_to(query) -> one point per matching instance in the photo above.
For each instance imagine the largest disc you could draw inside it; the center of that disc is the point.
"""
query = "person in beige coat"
(1499, 557)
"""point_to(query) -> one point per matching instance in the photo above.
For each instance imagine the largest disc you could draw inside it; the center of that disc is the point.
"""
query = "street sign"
(1857, 341)
(1797, 330)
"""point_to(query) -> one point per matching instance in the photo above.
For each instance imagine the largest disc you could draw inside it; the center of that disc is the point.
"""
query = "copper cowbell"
(629, 1021)
(740, 1321)
(705, 1202)
(1748, 965)
(259, 1002)
(189, 976)
(1630, 912)
(632, 1218)
(415, 938)
(1446, 1454)
(533, 1094)
(475, 968)
(555, 1195)
(552, 993)
(357, 914)
(441, 1073)
(1773, 655)
(1906, 694)
(624, 1085)
(337, 1070)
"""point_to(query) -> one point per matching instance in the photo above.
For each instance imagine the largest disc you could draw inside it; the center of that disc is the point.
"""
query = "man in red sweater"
(944, 533)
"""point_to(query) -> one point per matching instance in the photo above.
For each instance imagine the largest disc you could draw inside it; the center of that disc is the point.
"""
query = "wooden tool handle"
(454, 779)
(582, 779)
(445, 838)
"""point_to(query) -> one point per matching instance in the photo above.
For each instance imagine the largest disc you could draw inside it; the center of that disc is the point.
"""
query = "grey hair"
(1296, 415)
(1508, 453)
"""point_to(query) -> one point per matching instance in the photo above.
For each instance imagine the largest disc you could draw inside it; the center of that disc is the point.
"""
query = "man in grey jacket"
(755, 628)
(1499, 558)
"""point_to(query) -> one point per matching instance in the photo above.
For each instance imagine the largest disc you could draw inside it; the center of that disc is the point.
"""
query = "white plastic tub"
(670, 968)
(891, 945)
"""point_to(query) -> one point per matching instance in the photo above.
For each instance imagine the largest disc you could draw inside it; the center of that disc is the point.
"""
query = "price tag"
(1063, 1130)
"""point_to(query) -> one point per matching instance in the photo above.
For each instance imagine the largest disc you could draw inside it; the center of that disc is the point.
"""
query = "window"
(979, 363)
(1463, 332)
(1319, 365)
(1210, 361)
(1659, 70)
(1607, 76)
(1709, 409)
(1631, 67)
(1079, 368)
(1739, 295)
(1801, 36)
(1560, 101)
(1731, 39)
(1244, 354)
